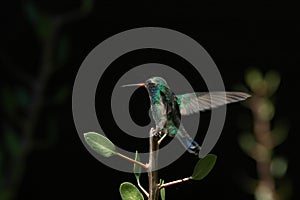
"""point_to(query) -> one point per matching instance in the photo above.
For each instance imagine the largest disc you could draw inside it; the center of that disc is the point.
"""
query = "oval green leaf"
(136, 168)
(204, 166)
(273, 80)
(100, 144)
(128, 191)
(279, 167)
(254, 78)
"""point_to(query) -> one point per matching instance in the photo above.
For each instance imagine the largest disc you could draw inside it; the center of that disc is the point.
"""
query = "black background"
(237, 36)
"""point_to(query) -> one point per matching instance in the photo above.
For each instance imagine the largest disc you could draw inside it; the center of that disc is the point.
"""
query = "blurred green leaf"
(128, 191)
(12, 142)
(100, 144)
(247, 142)
(204, 166)
(272, 79)
(162, 191)
(266, 110)
(42, 23)
(254, 78)
(136, 168)
(279, 132)
(279, 167)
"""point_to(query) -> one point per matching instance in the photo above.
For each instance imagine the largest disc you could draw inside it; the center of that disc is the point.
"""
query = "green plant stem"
(174, 182)
(145, 166)
(141, 187)
(152, 169)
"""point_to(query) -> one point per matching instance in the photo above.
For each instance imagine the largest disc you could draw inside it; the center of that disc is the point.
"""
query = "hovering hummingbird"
(167, 108)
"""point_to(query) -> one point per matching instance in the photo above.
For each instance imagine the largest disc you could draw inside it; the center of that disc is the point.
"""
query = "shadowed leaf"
(136, 168)
(100, 144)
(254, 78)
(279, 167)
(204, 166)
(128, 191)
(162, 191)
(273, 80)
(280, 132)
(247, 142)
(12, 142)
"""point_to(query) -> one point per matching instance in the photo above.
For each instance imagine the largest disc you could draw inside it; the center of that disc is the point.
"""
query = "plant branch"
(174, 182)
(264, 148)
(152, 170)
(141, 187)
(145, 166)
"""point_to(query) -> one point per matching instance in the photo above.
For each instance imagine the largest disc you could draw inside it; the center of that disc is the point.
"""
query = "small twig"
(145, 166)
(174, 182)
(141, 187)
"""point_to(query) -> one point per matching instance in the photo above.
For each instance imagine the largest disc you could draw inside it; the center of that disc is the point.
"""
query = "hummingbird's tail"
(188, 143)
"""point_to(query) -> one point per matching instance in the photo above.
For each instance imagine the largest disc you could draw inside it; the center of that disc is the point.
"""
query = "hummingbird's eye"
(151, 85)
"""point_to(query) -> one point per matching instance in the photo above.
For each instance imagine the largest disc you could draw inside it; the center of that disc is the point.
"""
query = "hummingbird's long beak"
(136, 84)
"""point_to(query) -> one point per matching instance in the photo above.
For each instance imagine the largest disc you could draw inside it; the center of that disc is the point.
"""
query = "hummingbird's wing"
(194, 102)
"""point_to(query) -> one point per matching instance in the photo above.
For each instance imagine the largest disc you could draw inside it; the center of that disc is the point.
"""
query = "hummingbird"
(167, 108)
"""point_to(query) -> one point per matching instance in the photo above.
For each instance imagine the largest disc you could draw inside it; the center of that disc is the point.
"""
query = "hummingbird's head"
(153, 85)
(156, 84)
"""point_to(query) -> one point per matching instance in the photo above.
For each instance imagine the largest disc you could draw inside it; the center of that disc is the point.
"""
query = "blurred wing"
(194, 102)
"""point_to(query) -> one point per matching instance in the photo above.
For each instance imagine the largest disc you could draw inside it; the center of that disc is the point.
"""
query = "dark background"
(237, 36)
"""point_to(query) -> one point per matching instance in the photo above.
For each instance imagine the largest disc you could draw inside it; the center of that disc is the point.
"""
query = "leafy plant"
(260, 143)
(128, 191)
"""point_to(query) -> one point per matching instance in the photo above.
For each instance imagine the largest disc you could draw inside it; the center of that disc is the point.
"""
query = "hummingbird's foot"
(155, 133)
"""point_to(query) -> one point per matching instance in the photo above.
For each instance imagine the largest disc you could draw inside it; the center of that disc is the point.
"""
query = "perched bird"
(167, 108)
